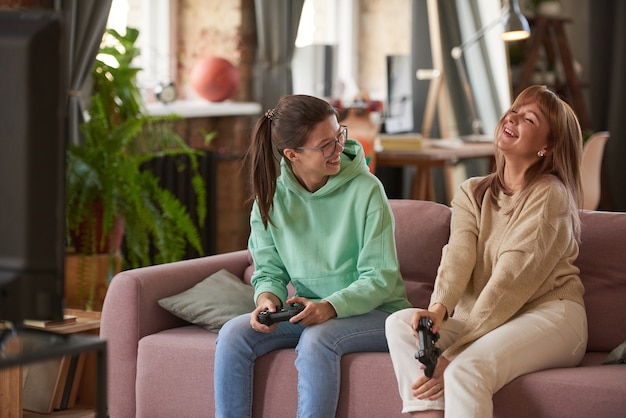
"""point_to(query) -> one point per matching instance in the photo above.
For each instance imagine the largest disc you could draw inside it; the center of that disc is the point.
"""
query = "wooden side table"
(11, 394)
(430, 156)
(11, 390)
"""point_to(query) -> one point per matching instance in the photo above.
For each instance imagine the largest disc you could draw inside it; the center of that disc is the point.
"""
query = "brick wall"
(225, 29)
(228, 30)
(216, 28)
(384, 28)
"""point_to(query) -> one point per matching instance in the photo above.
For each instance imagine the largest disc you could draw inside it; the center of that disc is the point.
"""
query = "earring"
(541, 154)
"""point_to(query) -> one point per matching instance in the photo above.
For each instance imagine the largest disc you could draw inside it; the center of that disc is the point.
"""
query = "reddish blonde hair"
(563, 161)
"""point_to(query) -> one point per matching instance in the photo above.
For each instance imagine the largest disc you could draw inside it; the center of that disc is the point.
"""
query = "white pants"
(552, 335)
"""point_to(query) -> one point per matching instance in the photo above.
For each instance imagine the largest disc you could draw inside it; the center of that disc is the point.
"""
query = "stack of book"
(47, 324)
(53, 384)
(400, 142)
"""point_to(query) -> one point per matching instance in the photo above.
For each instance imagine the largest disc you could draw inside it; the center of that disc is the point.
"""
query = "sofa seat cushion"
(355, 400)
(586, 391)
(601, 263)
(175, 373)
(426, 226)
(182, 358)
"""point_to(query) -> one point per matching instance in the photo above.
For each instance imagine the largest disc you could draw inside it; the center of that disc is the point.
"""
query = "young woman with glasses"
(322, 223)
(507, 299)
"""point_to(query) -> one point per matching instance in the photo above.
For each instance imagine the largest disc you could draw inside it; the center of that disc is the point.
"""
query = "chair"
(591, 168)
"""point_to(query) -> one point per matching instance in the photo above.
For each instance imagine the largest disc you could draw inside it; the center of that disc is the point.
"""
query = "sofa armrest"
(130, 312)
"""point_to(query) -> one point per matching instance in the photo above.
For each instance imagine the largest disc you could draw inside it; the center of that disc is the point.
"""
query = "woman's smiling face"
(311, 166)
(524, 132)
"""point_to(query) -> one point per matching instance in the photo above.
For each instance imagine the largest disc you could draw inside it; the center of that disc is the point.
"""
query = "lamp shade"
(516, 26)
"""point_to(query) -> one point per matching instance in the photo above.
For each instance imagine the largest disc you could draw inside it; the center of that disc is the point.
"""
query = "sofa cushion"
(213, 301)
(175, 373)
(617, 356)
(422, 229)
(601, 263)
(574, 392)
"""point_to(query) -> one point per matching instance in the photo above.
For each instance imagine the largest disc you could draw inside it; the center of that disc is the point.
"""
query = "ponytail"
(263, 166)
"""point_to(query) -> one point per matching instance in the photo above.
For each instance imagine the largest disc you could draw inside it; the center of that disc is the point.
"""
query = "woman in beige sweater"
(508, 299)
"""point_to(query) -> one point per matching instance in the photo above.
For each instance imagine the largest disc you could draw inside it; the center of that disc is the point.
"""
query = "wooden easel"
(549, 33)
(434, 100)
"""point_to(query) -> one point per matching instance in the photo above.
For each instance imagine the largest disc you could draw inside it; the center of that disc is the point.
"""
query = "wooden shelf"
(11, 390)
(78, 412)
(199, 108)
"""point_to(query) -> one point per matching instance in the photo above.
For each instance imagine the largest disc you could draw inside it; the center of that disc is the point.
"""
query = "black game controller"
(268, 318)
(428, 353)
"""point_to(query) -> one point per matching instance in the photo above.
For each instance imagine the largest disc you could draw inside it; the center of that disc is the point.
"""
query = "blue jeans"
(318, 354)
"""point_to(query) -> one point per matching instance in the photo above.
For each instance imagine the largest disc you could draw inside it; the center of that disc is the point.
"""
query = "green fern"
(106, 169)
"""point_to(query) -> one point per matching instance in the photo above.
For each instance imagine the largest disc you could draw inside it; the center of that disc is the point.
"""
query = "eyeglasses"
(329, 149)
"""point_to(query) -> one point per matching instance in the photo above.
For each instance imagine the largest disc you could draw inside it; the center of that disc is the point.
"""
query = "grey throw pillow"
(617, 356)
(213, 301)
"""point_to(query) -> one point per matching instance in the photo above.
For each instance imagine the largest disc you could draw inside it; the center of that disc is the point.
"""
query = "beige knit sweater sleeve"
(499, 263)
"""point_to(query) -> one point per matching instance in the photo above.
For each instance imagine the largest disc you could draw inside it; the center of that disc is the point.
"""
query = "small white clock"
(166, 93)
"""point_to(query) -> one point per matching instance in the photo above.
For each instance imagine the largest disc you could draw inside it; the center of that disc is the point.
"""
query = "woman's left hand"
(314, 312)
(431, 389)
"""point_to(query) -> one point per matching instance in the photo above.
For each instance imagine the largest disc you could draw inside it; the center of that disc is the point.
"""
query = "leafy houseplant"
(105, 183)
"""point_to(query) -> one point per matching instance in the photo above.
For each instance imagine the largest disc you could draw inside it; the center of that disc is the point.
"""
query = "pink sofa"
(161, 366)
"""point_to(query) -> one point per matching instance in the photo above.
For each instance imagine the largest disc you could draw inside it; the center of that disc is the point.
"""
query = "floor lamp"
(516, 28)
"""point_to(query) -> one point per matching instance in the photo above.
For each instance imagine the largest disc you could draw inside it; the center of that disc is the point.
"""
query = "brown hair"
(287, 126)
(563, 160)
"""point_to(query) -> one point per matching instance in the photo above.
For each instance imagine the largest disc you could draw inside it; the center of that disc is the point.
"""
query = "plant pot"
(93, 262)
(89, 240)
(87, 279)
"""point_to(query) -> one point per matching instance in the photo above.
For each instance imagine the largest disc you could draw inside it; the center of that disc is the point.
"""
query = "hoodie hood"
(352, 164)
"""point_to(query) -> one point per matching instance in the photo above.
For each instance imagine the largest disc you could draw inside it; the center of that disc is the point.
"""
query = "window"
(333, 22)
(323, 22)
(152, 18)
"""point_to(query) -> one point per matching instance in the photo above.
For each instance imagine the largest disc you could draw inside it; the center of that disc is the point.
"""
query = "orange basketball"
(215, 79)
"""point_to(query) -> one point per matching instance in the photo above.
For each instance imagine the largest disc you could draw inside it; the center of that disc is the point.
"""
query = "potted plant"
(106, 187)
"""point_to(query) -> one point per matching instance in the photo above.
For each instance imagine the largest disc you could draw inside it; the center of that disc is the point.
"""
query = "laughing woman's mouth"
(510, 133)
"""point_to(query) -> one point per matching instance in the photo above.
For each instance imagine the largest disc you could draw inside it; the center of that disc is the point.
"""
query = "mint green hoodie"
(335, 244)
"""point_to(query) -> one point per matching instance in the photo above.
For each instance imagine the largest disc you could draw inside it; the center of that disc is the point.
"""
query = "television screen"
(32, 165)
